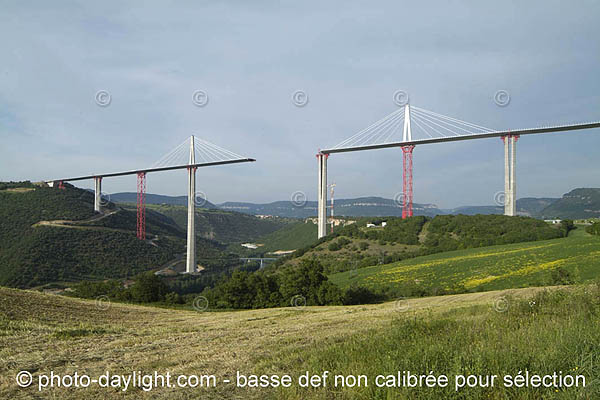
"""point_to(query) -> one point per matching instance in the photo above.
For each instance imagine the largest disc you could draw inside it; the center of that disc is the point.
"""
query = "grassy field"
(491, 332)
(291, 237)
(552, 332)
(487, 268)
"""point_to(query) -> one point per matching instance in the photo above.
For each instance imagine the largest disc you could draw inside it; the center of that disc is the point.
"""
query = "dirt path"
(70, 223)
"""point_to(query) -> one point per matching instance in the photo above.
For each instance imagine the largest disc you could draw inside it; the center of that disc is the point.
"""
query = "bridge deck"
(146, 170)
(528, 131)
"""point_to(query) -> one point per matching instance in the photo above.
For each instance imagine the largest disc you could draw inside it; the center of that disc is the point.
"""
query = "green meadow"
(552, 332)
(488, 268)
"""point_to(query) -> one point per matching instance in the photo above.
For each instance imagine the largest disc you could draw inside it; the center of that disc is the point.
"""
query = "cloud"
(350, 57)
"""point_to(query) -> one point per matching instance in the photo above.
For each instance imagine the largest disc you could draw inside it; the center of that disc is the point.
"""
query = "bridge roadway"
(146, 170)
(529, 131)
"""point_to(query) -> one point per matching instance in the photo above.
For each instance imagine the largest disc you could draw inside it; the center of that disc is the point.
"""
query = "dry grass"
(42, 333)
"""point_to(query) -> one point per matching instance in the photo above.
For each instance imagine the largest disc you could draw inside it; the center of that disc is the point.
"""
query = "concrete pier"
(513, 176)
(97, 193)
(507, 207)
(322, 195)
(510, 174)
(191, 222)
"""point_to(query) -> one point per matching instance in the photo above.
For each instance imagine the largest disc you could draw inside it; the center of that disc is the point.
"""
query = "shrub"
(173, 298)
(561, 276)
(260, 289)
(361, 295)
(334, 246)
(594, 229)
(148, 288)
(343, 241)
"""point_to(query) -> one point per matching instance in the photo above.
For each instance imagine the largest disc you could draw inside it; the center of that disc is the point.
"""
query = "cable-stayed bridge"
(418, 126)
(192, 154)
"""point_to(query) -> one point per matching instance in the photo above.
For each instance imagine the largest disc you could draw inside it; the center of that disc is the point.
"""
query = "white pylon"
(191, 225)
(322, 195)
(507, 196)
(407, 132)
(97, 193)
(510, 174)
(513, 176)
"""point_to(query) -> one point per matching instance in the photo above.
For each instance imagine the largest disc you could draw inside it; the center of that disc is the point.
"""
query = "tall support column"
(191, 222)
(404, 184)
(322, 196)
(510, 174)
(406, 131)
(410, 180)
(319, 194)
(141, 206)
(97, 193)
(513, 175)
(507, 187)
(407, 181)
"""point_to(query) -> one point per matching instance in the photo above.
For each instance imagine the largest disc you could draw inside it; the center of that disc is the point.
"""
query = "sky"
(249, 58)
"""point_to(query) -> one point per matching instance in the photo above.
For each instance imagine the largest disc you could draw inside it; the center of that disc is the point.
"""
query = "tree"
(307, 280)
(148, 288)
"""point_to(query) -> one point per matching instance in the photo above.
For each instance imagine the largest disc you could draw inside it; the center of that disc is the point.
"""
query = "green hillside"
(290, 237)
(356, 245)
(488, 268)
(577, 204)
(362, 249)
(50, 254)
(51, 235)
(222, 226)
(533, 206)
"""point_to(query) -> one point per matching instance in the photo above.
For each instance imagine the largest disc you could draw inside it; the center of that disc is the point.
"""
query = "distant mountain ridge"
(359, 207)
(131, 197)
(528, 206)
(578, 203)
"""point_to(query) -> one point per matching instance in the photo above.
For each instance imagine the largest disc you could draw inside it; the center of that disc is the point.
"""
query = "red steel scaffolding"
(407, 181)
(141, 205)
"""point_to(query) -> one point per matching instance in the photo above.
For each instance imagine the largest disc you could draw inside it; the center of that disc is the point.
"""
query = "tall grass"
(552, 332)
